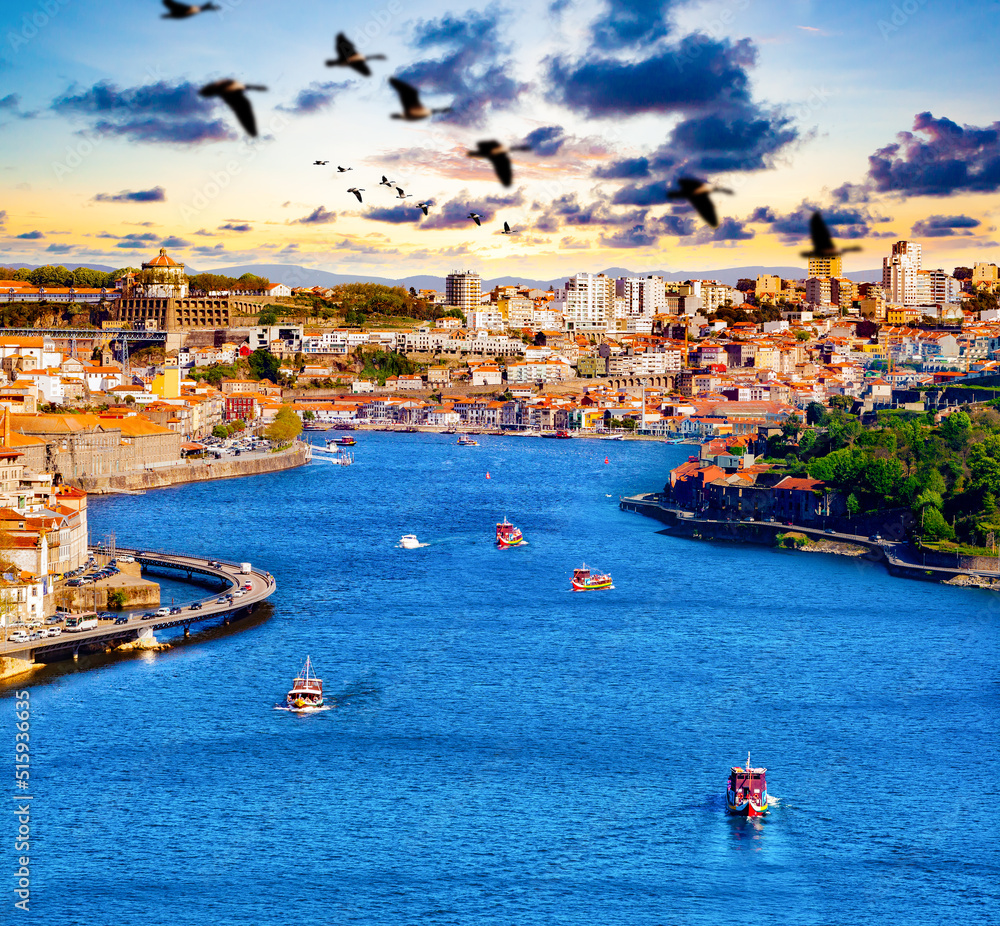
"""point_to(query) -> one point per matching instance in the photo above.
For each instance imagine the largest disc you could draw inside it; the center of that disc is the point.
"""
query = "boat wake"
(302, 710)
(415, 546)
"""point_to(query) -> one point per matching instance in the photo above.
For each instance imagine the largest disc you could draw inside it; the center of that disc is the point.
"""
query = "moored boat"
(508, 535)
(346, 441)
(746, 791)
(563, 435)
(585, 581)
(307, 691)
(464, 441)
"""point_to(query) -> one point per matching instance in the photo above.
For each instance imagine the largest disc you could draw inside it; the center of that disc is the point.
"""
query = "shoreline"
(680, 523)
(548, 434)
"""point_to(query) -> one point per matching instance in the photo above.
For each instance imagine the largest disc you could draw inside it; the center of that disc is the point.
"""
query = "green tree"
(220, 431)
(791, 427)
(936, 527)
(955, 430)
(853, 505)
(267, 318)
(309, 415)
(264, 365)
(285, 427)
(816, 414)
(116, 599)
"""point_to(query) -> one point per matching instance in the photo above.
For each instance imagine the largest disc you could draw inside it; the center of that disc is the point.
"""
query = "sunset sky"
(109, 153)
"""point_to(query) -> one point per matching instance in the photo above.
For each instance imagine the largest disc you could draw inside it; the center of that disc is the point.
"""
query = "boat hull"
(747, 808)
(591, 586)
(507, 544)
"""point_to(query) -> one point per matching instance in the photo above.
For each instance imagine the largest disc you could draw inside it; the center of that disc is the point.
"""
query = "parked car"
(107, 616)
(126, 559)
(75, 583)
(54, 619)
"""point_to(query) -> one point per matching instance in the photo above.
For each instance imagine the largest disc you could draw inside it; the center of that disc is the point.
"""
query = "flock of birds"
(233, 93)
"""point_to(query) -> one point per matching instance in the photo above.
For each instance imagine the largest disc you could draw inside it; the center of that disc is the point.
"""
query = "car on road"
(75, 583)
(196, 606)
(106, 616)
(54, 632)
(18, 636)
(829, 530)
(175, 610)
(162, 612)
(126, 559)
(121, 619)
(148, 614)
(222, 601)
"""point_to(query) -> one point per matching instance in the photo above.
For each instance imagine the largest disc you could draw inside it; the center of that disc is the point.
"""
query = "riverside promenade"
(898, 555)
(139, 631)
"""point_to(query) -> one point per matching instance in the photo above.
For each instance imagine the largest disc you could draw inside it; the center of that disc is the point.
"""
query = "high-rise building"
(587, 303)
(941, 287)
(463, 288)
(825, 267)
(843, 292)
(642, 295)
(899, 274)
(818, 291)
(985, 273)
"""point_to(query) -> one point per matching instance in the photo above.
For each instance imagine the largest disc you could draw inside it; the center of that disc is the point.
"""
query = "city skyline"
(93, 170)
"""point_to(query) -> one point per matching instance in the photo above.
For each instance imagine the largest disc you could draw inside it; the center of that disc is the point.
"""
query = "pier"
(21, 656)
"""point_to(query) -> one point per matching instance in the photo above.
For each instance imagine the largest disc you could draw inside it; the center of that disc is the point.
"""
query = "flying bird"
(400, 194)
(184, 10)
(356, 192)
(822, 241)
(475, 216)
(696, 192)
(507, 230)
(409, 99)
(343, 170)
(349, 56)
(386, 182)
(232, 93)
(319, 163)
(499, 156)
(424, 206)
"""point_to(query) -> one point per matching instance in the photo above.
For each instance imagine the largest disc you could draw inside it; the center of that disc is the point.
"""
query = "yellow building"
(896, 314)
(985, 273)
(825, 267)
(168, 384)
(768, 285)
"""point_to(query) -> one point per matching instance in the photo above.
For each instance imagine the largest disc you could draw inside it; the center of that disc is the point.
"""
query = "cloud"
(455, 212)
(174, 242)
(624, 169)
(474, 68)
(3, 216)
(945, 226)
(631, 22)
(635, 237)
(547, 140)
(31, 236)
(59, 248)
(205, 250)
(155, 195)
(319, 216)
(573, 244)
(396, 215)
(844, 221)
(159, 113)
(231, 226)
(314, 98)
(730, 229)
(950, 158)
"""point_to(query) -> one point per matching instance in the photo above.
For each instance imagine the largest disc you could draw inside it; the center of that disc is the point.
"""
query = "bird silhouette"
(386, 182)
(507, 230)
(400, 194)
(232, 94)
(822, 241)
(343, 170)
(475, 216)
(424, 206)
(356, 192)
(696, 192)
(409, 99)
(349, 56)
(184, 10)
(320, 163)
(499, 156)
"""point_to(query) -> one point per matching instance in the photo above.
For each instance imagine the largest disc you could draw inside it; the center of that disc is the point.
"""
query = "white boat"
(409, 541)
(307, 691)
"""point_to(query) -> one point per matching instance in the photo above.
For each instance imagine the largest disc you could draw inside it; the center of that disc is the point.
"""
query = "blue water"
(503, 750)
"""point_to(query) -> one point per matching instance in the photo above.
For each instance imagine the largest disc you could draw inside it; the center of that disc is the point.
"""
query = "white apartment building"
(900, 273)
(484, 318)
(463, 288)
(587, 303)
(642, 295)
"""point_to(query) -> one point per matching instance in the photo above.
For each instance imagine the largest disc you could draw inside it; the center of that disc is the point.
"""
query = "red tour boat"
(584, 581)
(746, 791)
(508, 535)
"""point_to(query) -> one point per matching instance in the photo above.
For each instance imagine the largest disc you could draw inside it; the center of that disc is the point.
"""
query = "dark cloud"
(174, 242)
(547, 140)
(319, 216)
(231, 226)
(730, 229)
(3, 216)
(455, 212)
(635, 237)
(573, 244)
(843, 221)
(317, 96)
(677, 225)
(31, 236)
(204, 232)
(475, 64)
(205, 250)
(160, 112)
(650, 194)
(630, 22)
(672, 80)
(11, 102)
(945, 226)
(396, 215)
(951, 158)
(59, 248)
(624, 169)
(155, 195)
(762, 214)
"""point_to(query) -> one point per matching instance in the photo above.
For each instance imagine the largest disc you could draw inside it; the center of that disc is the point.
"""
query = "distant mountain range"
(294, 275)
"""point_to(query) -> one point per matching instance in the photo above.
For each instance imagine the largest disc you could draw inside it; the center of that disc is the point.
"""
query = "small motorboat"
(508, 535)
(409, 541)
(746, 791)
(586, 581)
(346, 441)
(464, 441)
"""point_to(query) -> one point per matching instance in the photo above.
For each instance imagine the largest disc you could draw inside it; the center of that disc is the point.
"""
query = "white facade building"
(900, 274)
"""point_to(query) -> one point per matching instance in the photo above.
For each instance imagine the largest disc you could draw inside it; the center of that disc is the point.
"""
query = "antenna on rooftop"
(126, 377)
